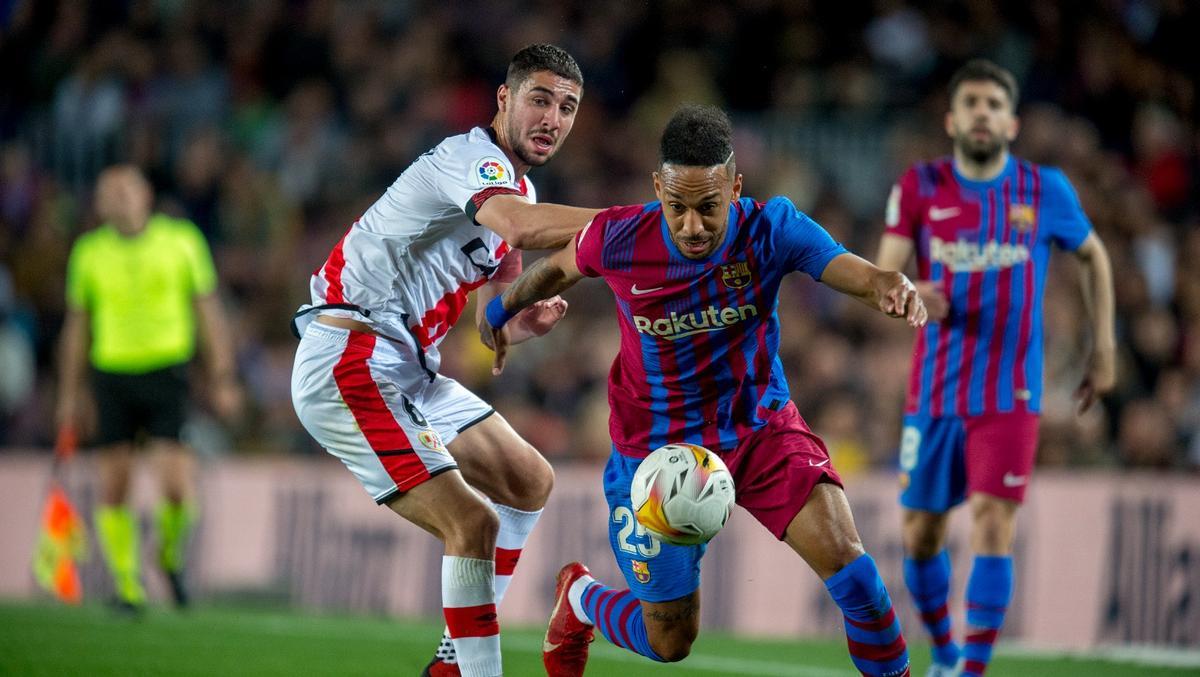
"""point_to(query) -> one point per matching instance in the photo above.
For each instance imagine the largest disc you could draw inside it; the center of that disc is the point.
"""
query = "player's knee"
(541, 480)
(848, 550)
(921, 544)
(923, 534)
(529, 485)
(473, 529)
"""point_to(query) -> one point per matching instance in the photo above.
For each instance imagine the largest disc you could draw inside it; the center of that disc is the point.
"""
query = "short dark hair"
(983, 69)
(541, 57)
(697, 136)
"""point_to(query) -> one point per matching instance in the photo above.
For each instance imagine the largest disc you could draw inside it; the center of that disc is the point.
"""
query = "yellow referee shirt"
(139, 293)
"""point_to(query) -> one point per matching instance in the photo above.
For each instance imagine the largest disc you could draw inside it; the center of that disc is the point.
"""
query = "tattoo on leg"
(686, 613)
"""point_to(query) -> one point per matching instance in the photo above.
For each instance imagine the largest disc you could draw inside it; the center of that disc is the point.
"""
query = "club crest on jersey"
(736, 275)
(491, 172)
(641, 571)
(1021, 217)
(431, 440)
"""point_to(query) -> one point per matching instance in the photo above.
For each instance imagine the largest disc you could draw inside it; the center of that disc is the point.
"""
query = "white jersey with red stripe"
(412, 259)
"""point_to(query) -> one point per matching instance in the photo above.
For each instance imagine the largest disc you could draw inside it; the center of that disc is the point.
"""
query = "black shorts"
(129, 405)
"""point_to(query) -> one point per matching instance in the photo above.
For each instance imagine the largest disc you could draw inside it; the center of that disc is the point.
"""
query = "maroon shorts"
(775, 469)
(1000, 453)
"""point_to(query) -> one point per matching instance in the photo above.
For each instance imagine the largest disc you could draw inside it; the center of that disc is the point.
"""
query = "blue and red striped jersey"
(988, 244)
(699, 358)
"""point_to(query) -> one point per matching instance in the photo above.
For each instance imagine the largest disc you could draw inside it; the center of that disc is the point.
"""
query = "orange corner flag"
(62, 540)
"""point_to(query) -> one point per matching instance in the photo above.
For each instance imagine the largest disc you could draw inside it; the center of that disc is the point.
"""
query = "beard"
(518, 142)
(981, 152)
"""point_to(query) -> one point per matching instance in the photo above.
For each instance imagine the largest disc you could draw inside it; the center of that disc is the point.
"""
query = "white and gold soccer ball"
(682, 493)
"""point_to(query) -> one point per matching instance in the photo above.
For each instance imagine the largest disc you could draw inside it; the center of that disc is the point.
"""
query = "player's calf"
(672, 627)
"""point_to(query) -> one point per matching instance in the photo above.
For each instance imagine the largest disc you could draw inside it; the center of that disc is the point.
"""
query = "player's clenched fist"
(900, 298)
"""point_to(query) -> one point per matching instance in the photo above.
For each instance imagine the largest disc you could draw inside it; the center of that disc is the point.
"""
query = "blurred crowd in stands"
(273, 123)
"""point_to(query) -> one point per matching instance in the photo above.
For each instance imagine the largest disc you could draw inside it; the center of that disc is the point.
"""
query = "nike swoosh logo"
(547, 645)
(1010, 480)
(936, 214)
(638, 292)
(818, 465)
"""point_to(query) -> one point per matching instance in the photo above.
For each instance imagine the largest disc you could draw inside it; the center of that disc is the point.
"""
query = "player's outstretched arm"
(526, 225)
(546, 278)
(1096, 270)
(888, 290)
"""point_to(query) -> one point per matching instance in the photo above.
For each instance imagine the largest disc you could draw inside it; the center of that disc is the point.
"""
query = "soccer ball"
(682, 493)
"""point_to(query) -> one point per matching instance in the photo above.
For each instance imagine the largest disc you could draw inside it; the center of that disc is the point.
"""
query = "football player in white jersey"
(365, 382)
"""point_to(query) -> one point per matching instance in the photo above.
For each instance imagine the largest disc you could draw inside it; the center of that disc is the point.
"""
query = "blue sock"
(873, 633)
(617, 614)
(989, 590)
(929, 582)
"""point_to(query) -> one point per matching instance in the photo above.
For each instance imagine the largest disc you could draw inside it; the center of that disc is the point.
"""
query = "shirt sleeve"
(1062, 215)
(801, 243)
(79, 293)
(202, 273)
(589, 246)
(470, 173)
(903, 214)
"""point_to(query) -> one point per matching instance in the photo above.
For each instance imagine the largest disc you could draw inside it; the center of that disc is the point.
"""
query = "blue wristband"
(497, 316)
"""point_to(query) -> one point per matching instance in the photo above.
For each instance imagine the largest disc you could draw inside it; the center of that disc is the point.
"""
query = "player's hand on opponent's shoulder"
(899, 298)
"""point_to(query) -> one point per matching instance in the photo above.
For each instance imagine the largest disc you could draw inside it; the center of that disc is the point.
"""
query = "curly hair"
(697, 136)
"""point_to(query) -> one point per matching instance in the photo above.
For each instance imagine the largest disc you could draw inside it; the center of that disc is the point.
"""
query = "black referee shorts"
(130, 405)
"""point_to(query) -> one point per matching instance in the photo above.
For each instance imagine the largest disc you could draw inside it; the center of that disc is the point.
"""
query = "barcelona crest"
(641, 571)
(736, 275)
(1021, 217)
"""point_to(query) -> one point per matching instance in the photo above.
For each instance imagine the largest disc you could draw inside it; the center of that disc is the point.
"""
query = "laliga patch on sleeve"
(491, 171)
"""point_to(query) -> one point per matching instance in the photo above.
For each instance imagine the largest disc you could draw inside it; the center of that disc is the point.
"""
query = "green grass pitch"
(43, 639)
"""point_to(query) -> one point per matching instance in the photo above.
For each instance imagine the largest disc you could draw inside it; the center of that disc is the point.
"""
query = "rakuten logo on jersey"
(969, 257)
(681, 326)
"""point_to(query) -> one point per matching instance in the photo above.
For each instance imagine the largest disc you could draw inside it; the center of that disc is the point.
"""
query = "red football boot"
(565, 649)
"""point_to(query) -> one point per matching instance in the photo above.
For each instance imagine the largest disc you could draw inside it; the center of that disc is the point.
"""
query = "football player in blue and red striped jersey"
(981, 224)
(696, 276)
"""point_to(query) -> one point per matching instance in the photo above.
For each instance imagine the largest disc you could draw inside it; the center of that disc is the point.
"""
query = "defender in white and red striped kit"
(365, 383)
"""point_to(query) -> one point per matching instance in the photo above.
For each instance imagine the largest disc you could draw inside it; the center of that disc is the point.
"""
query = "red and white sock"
(515, 527)
(468, 602)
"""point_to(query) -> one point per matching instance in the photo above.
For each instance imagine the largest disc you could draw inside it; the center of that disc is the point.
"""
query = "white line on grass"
(1145, 655)
(284, 626)
(698, 661)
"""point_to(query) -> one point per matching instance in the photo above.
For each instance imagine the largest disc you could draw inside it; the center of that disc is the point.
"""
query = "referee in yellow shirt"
(138, 289)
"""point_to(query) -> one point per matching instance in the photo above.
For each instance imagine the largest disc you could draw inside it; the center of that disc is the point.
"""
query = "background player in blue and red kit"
(981, 224)
(696, 277)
